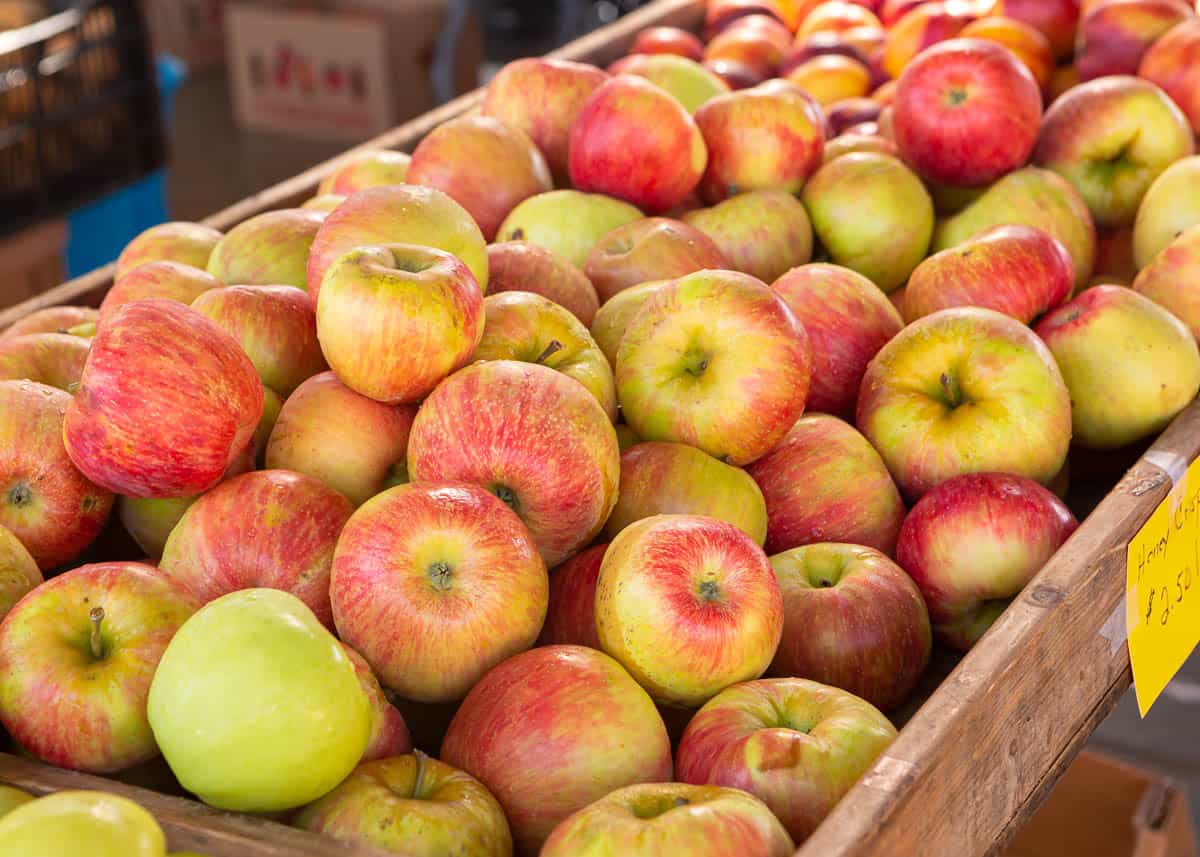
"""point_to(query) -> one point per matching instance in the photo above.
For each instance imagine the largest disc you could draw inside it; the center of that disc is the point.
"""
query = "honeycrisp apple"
(1169, 207)
(389, 735)
(1169, 279)
(179, 241)
(519, 266)
(614, 318)
(170, 280)
(269, 249)
(57, 824)
(655, 248)
(57, 319)
(1170, 63)
(571, 613)
(566, 222)
(54, 359)
(366, 168)
(19, 572)
(762, 233)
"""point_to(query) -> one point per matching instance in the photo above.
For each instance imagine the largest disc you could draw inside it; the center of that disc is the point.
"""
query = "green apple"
(691, 83)
(1170, 206)
(608, 327)
(566, 222)
(763, 233)
(75, 823)
(256, 706)
(11, 798)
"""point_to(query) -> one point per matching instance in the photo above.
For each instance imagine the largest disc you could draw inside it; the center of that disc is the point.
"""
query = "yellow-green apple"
(55, 319)
(668, 40)
(58, 824)
(54, 359)
(1169, 207)
(769, 136)
(634, 141)
(762, 233)
(1114, 257)
(966, 112)
(325, 202)
(1113, 35)
(11, 798)
(738, 75)
(1030, 197)
(1017, 270)
(249, 652)
(689, 605)
(1170, 279)
(848, 113)
(519, 266)
(366, 168)
(413, 805)
(676, 479)
(612, 319)
(52, 508)
(1026, 42)
(167, 280)
(919, 29)
(434, 584)
(1013, 526)
(76, 659)
(566, 222)
(349, 442)
(538, 440)
(543, 97)
(847, 320)
(397, 214)
(1055, 19)
(795, 744)
(182, 242)
(553, 729)
(1171, 63)
(651, 819)
(825, 483)
(1108, 342)
(872, 214)
(689, 82)
(155, 421)
(757, 47)
(715, 360)
(269, 249)
(831, 78)
(394, 320)
(1110, 138)
(965, 390)
(852, 619)
(533, 329)
(19, 572)
(655, 248)
(389, 734)
(844, 144)
(571, 612)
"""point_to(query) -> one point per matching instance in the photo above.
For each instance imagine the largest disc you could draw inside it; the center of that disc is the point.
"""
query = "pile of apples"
(759, 356)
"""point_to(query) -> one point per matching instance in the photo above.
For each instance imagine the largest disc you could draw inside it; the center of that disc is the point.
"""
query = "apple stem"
(953, 394)
(96, 616)
(554, 347)
(419, 782)
(681, 801)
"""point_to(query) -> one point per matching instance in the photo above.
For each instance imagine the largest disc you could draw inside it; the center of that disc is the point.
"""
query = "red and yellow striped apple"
(269, 249)
(389, 733)
(55, 319)
(519, 266)
(1027, 43)
(571, 614)
(1114, 35)
(668, 40)
(568, 223)
(690, 83)
(1169, 280)
(178, 241)
(762, 233)
(656, 248)
(53, 359)
(170, 280)
(366, 168)
(1171, 63)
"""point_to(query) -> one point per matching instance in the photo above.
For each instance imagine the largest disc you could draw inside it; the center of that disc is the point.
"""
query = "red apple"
(755, 46)
(1056, 19)
(55, 319)
(851, 112)
(571, 614)
(1113, 35)
(919, 29)
(855, 141)
(656, 248)
(668, 40)
(269, 249)
(389, 733)
(831, 78)
(1025, 41)
(1169, 280)
(821, 44)
(168, 280)
(891, 11)
(519, 266)
(54, 359)
(689, 82)
(737, 75)
(762, 233)
(365, 168)
(182, 242)
(1173, 63)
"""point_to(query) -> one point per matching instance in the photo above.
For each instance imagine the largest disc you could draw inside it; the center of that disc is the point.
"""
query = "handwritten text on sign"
(1162, 600)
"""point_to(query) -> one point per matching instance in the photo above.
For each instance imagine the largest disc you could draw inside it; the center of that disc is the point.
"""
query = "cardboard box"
(192, 30)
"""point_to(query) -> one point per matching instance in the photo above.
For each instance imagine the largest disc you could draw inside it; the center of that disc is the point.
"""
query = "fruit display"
(604, 476)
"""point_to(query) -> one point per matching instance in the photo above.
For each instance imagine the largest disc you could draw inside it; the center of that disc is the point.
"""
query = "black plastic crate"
(79, 111)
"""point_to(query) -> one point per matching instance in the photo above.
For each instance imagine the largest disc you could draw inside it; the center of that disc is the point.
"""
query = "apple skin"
(571, 614)
(1013, 526)
(930, 401)
(533, 329)
(825, 483)
(853, 619)
(850, 112)
(966, 112)
(1030, 197)
(656, 248)
(676, 479)
(1055, 19)
(425, 570)
(518, 266)
(762, 233)
(613, 319)
(351, 443)
(737, 75)
(634, 141)
(846, 143)
(831, 78)
(539, 441)
(179, 241)
(769, 136)
(668, 40)
(744, 738)
(690, 83)
(366, 168)
(566, 222)
(1170, 277)
(397, 214)
(682, 377)
(153, 422)
(872, 214)
(325, 202)
(756, 47)
(169, 280)
(54, 359)
(19, 572)
(721, 14)
(55, 319)
(59, 700)
(11, 798)
(543, 98)
(1114, 35)
(1169, 207)
(46, 502)
(269, 249)
(1017, 270)
(1108, 341)
(1026, 42)
(924, 26)
(847, 320)
(836, 16)
(671, 818)
(389, 735)
(1171, 63)
(414, 805)
(1128, 115)
(111, 825)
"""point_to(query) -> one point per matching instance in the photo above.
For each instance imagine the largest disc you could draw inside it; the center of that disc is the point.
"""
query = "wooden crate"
(984, 742)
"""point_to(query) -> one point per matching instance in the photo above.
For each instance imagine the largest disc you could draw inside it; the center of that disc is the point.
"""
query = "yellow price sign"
(1162, 589)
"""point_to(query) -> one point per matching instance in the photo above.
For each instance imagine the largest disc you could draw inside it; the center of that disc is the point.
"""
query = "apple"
(1114, 257)
(1017, 270)
(737, 75)
(1029, 197)
(11, 798)
(656, 248)
(853, 619)
(269, 249)
(891, 11)
(571, 612)
(533, 329)
(155, 421)
(543, 98)
(56, 825)
(1171, 64)
(965, 390)
(762, 233)
(1013, 526)
(831, 78)
(872, 214)
(1113, 35)
(247, 652)
(1169, 207)
(325, 202)
(1111, 138)
(519, 266)
(538, 440)
(686, 79)
(1055, 19)
(846, 143)
(1063, 78)
(650, 819)
(54, 359)
(553, 729)
(389, 734)
(19, 572)
(55, 319)
(413, 805)
(852, 113)
(668, 40)
(721, 14)
(795, 744)
(365, 168)
(566, 222)
(715, 360)
(1170, 277)
(921, 28)
(1026, 42)
(1108, 341)
(351, 443)
(168, 280)
(613, 319)
(76, 659)
(182, 242)
(836, 16)
(758, 47)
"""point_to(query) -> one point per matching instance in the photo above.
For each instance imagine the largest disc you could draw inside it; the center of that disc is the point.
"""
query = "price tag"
(1162, 589)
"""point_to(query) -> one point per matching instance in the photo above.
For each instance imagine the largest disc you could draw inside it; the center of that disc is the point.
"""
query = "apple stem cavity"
(440, 574)
(709, 591)
(553, 348)
(20, 495)
(951, 390)
(96, 616)
(681, 801)
(507, 496)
